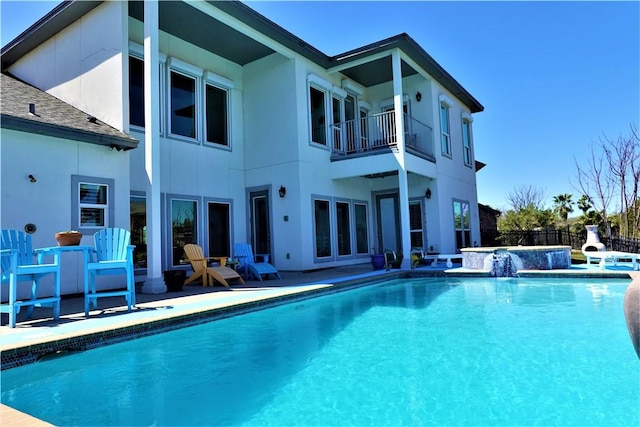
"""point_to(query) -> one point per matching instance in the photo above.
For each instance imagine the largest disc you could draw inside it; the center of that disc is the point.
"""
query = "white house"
(246, 133)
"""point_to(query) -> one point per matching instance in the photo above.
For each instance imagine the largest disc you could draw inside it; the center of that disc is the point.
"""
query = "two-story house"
(246, 133)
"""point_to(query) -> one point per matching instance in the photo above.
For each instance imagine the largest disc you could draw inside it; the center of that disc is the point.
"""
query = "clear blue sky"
(553, 76)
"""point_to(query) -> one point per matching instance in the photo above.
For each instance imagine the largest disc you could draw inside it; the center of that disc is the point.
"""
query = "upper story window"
(136, 91)
(317, 110)
(445, 136)
(217, 115)
(466, 140)
(182, 104)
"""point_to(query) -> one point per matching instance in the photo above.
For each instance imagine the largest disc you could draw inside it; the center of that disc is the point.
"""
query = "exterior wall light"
(282, 191)
(418, 96)
(428, 193)
(32, 178)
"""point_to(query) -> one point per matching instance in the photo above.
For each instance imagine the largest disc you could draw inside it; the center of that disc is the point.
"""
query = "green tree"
(585, 203)
(563, 206)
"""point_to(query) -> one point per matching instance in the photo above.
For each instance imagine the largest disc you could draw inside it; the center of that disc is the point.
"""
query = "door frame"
(252, 192)
(376, 196)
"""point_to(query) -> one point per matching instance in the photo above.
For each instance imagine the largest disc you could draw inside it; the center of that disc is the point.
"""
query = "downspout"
(154, 283)
(403, 181)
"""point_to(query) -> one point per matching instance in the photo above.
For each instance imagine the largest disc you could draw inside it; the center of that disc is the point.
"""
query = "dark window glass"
(138, 220)
(183, 105)
(343, 228)
(183, 228)
(322, 222)
(318, 121)
(362, 233)
(219, 230)
(136, 91)
(217, 115)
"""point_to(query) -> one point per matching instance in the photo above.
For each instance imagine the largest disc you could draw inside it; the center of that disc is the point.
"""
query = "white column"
(154, 283)
(403, 183)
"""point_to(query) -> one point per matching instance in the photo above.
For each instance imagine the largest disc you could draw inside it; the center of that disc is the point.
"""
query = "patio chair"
(21, 263)
(248, 261)
(208, 274)
(112, 255)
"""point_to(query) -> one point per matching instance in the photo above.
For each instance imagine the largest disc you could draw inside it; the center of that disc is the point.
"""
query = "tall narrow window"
(322, 228)
(362, 229)
(416, 224)
(351, 124)
(318, 119)
(343, 228)
(183, 228)
(217, 116)
(136, 91)
(138, 224)
(461, 223)
(183, 105)
(445, 138)
(337, 123)
(466, 142)
(219, 229)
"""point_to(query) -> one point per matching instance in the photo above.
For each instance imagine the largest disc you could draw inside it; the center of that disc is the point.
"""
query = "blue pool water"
(500, 352)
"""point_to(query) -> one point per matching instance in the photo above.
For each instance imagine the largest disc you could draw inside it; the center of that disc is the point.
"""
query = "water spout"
(502, 265)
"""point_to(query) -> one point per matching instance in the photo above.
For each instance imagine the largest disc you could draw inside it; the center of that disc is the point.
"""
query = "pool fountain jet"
(502, 265)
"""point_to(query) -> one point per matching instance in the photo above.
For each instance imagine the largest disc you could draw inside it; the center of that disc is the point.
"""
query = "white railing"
(378, 131)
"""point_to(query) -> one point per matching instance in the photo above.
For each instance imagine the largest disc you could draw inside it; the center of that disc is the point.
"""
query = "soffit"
(190, 24)
(376, 72)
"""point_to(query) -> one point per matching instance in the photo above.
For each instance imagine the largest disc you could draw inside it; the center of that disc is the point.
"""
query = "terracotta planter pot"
(68, 239)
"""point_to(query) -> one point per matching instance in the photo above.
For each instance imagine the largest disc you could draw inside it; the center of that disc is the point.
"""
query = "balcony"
(377, 134)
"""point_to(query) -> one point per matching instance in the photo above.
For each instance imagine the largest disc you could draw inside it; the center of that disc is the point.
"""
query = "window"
(184, 222)
(217, 117)
(183, 105)
(362, 229)
(138, 225)
(337, 123)
(92, 203)
(364, 129)
(416, 224)
(461, 224)
(136, 91)
(466, 141)
(351, 122)
(343, 228)
(318, 121)
(322, 228)
(445, 138)
(219, 229)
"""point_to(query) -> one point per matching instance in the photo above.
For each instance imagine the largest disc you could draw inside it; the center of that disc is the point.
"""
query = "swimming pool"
(406, 352)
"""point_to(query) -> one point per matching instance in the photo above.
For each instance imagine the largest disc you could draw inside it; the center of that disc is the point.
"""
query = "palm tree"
(563, 205)
(585, 203)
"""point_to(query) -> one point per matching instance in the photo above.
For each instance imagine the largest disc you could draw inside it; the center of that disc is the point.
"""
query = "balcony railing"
(377, 132)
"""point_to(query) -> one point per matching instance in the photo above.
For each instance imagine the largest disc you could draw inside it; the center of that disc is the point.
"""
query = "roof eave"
(62, 132)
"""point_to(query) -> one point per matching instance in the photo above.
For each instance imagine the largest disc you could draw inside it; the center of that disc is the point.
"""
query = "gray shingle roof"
(53, 117)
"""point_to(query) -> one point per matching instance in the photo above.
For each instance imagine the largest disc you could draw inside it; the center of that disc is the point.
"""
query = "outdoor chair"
(249, 263)
(21, 263)
(208, 274)
(112, 255)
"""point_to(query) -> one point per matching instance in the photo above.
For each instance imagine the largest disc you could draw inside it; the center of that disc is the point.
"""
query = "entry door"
(260, 225)
(389, 236)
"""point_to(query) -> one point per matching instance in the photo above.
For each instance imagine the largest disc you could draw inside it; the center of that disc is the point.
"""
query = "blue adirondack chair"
(249, 264)
(21, 263)
(112, 255)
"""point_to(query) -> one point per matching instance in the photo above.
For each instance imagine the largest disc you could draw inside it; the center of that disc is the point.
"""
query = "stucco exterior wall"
(84, 64)
(47, 203)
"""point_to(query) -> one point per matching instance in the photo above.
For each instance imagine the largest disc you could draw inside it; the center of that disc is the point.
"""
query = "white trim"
(218, 80)
(184, 67)
(340, 93)
(467, 117)
(444, 99)
(137, 50)
(315, 80)
(365, 105)
(352, 87)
